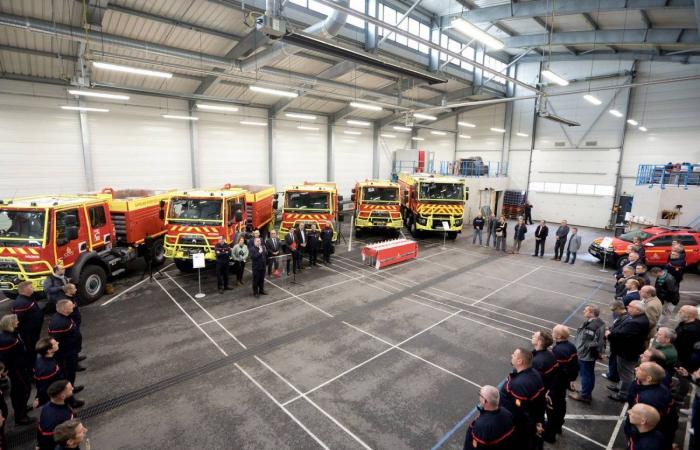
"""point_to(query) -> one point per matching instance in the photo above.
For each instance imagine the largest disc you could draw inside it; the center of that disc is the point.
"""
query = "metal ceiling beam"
(591, 21)
(548, 28)
(95, 12)
(28, 51)
(658, 36)
(687, 58)
(473, 6)
(562, 7)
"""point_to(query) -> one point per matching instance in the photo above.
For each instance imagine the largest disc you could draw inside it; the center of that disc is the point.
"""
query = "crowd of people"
(49, 363)
(650, 366)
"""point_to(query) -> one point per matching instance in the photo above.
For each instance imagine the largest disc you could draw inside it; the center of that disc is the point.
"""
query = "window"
(97, 216)
(604, 190)
(536, 186)
(585, 189)
(662, 241)
(424, 32)
(62, 218)
(319, 8)
(357, 5)
(567, 188)
(686, 240)
(551, 187)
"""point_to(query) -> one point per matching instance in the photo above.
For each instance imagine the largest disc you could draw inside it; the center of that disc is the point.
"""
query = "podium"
(387, 253)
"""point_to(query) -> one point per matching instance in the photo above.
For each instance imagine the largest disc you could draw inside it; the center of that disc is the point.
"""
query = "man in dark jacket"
(274, 249)
(627, 339)
(47, 370)
(519, 232)
(590, 342)
(493, 429)
(31, 318)
(70, 341)
(223, 258)
(292, 247)
(478, 224)
(327, 242)
(53, 286)
(491, 229)
(666, 288)
(648, 389)
(501, 233)
(258, 256)
(312, 247)
(619, 313)
(567, 361)
(14, 355)
(687, 334)
(528, 213)
(541, 233)
(640, 429)
(523, 395)
(54, 413)
(560, 243)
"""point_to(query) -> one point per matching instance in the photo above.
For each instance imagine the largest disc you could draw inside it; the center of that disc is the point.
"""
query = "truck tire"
(91, 283)
(415, 232)
(622, 261)
(452, 235)
(158, 254)
(358, 233)
(184, 265)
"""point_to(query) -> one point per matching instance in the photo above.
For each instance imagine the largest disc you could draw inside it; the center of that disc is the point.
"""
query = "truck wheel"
(184, 265)
(158, 254)
(452, 235)
(9, 294)
(622, 261)
(91, 284)
(358, 233)
(414, 229)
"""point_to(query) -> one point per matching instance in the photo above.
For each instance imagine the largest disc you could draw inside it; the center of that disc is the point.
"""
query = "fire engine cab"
(377, 206)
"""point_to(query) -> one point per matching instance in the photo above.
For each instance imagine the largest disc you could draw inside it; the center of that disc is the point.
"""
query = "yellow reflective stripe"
(11, 250)
(33, 252)
(22, 251)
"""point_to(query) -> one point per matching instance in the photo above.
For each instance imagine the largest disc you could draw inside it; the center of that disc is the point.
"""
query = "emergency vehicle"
(428, 200)
(196, 218)
(310, 203)
(94, 236)
(377, 206)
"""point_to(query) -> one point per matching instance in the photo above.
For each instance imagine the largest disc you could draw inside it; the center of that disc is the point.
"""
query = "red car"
(657, 245)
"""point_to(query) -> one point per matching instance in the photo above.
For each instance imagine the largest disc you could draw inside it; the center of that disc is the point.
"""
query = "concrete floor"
(349, 357)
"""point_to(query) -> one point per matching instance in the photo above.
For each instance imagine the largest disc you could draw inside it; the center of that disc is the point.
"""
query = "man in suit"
(312, 247)
(574, 245)
(300, 235)
(528, 213)
(258, 256)
(491, 229)
(541, 233)
(562, 233)
(627, 339)
(274, 249)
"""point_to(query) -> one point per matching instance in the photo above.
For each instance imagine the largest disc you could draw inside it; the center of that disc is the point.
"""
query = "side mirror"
(161, 214)
(341, 218)
(340, 198)
(238, 215)
(162, 204)
(71, 233)
(352, 197)
(649, 244)
(352, 190)
(275, 204)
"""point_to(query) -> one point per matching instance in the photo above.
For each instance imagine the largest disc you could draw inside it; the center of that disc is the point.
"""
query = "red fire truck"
(94, 236)
(377, 206)
(196, 218)
(310, 203)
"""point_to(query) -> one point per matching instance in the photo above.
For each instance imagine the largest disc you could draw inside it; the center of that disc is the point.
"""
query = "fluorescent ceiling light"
(553, 77)
(592, 99)
(424, 116)
(270, 91)
(465, 136)
(498, 130)
(522, 134)
(643, 129)
(134, 70)
(170, 116)
(390, 136)
(303, 127)
(397, 128)
(98, 94)
(300, 116)
(466, 124)
(352, 132)
(366, 106)
(253, 123)
(477, 33)
(361, 123)
(416, 138)
(615, 113)
(632, 122)
(83, 108)
(438, 133)
(216, 107)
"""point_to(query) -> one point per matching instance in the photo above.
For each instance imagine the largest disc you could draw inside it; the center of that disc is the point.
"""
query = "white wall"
(352, 156)
(299, 155)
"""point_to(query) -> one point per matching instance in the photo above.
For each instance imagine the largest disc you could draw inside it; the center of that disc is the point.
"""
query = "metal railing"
(458, 168)
(412, 167)
(679, 175)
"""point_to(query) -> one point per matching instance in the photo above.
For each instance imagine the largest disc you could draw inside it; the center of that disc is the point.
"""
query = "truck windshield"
(308, 201)
(21, 228)
(441, 191)
(194, 211)
(371, 194)
(629, 237)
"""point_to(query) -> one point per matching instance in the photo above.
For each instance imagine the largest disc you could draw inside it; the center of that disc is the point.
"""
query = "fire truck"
(94, 236)
(377, 206)
(196, 218)
(310, 203)
(428, 201)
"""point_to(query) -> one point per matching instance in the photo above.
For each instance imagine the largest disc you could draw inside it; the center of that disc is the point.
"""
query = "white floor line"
(583, 436)
(132, 287)
(505, 286)
(688, 425)
(591, 417)
(298, 297)
(616, 430)
(4, 300)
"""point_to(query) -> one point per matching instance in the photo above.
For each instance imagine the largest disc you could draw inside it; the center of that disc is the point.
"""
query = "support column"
(478, 80)
(270, 150)
(330, 163)
(375, 151)
(370, 29)
(434, 55)
(194, 147)
(87, 149)
(533, 133)
(508, 121)
(618, 177)
(454, 156)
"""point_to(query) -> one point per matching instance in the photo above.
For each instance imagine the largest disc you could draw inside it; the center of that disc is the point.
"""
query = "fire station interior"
(142, 140)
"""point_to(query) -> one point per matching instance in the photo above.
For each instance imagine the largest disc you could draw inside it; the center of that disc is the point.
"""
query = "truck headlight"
(422, 220)
(458, 222)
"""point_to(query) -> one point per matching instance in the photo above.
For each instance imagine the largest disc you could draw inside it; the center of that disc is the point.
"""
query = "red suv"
(657, 245)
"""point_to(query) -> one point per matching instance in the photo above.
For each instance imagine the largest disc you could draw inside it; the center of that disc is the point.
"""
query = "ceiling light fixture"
(416, 138)
(632, 122)
(216, 107)
(389, 136)
(134, 70)
(303, 127)
(522, 134)
(465, 136)
(424, 116)
(466, 124)
(592, 99)
(366, 106)
(98, 95)
(361, 123)
(477, 33)
(553, 77)
(615, 113)
(397, 128)
(498, 130)
(300, 116)
(644, 129)
(253, 123)
(84, 108)
(270, 91)
(171, 116)
(438, 133)
(352, 132)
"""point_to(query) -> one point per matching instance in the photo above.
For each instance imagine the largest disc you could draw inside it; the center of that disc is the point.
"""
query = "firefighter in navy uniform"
(544, 361)
(567, 359)
(4, 412)
(31, 319)
(14, 355)
(640, 428)
(54, 413)
(327, 243)
(70, 341)
(523, 395)
(493, 429)
(223, 257)
(47, 370)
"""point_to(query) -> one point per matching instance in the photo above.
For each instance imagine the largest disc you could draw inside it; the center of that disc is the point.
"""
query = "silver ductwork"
(327, 28)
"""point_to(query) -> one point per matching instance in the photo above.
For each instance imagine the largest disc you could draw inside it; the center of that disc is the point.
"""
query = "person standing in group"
(640, 272)
(47, 370)
(53, 286)
(541, 233)
(327, 243)
(619, 313)
(240, 255)
(478, 224)
(274, 249)
(676, 266)
(639, 247)
(501, 233)
(528, 213)
(258, 257)
(666, 289)
(312, 247)
(223, 257)
(519, 235)
(493, 428)
(491, 224)
(590, 343)
(560, 243)
(70, 434)
(641, 430)
(632, 291)
(574, 245)
(302, 244)
(567, 360)
(31, 318)
(4, 411)
(70, 341)
(54, 413)
(292, 246)
(14, 355)
(627, 342)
